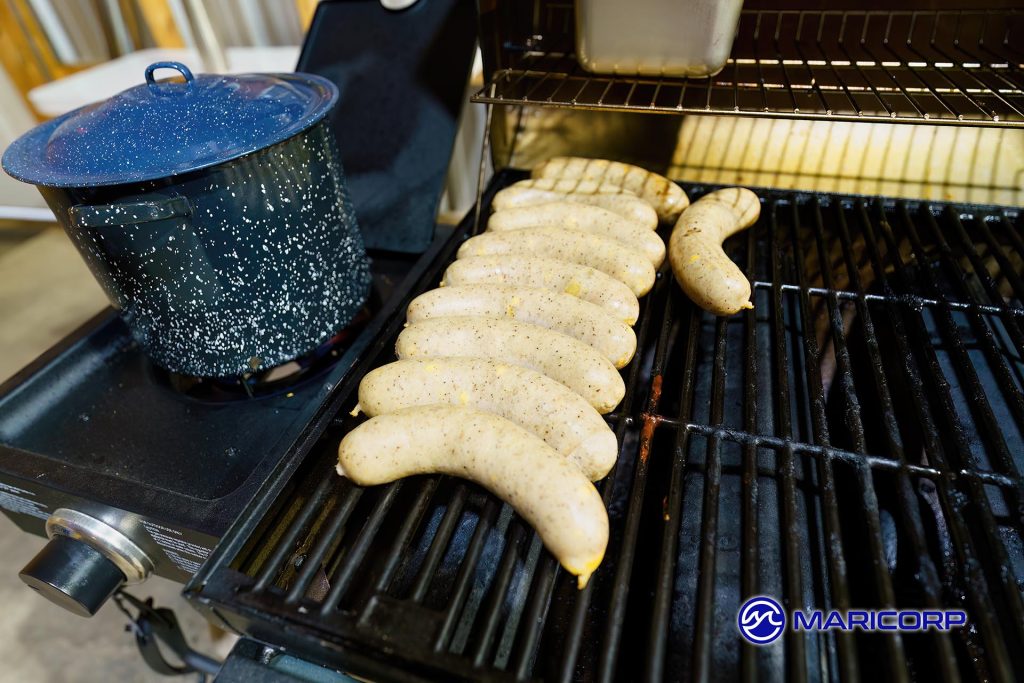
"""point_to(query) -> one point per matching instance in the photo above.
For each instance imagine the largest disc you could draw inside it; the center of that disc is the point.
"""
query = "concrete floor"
(42, 643)
(45, 292)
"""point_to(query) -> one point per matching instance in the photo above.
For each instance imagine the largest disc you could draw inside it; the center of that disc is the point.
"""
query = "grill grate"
(855, 440)
(940, 67)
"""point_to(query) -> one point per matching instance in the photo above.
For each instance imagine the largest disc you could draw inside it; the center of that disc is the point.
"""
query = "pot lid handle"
(157, 88)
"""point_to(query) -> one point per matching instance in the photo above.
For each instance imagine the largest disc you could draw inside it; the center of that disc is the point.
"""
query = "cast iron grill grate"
(854, 441)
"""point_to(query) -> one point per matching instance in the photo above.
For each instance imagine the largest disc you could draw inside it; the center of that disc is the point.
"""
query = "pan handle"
(128, 213)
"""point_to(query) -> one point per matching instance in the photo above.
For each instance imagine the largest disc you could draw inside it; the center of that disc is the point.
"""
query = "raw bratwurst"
(559, 356)
(592, 219)
(533, 401)
(556, 311)
(625, 264)
(551, 494)
(578, 280)
(546, 190)
(667, 198)
(703, 270)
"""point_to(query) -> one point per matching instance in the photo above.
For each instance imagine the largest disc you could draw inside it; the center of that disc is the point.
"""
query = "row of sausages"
(504, 372)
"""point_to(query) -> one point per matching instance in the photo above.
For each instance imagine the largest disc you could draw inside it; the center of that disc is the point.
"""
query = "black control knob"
(74, 575)
(85, 561)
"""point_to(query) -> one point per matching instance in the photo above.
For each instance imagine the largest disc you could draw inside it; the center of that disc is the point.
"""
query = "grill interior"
(855, 440)
(958, 66)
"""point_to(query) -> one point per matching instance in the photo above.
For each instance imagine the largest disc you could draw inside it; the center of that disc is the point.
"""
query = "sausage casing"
(584, 218)
(623, 263)
(548, 491)
(578, 280)
(667, 198)
(556, 311)
(546, 190)
(564, 359)
(535, 402)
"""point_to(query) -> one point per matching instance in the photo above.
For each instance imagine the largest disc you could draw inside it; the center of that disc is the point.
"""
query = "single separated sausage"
(578, 280)
(623, 263)
(592, 219)
(563, 313)
(535, 402)
(559, 356)
(546, 190)
(667, 198)
(705, 273)
(548, 491)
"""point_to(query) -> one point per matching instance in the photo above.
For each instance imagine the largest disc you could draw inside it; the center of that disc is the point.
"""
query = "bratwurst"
(701, 267)
(546, 190)
(564, 359)
(580, 281)
(625, 264)
(556, 311)
(550, 493)
(667, 198)
(535, 402)
(592, 219)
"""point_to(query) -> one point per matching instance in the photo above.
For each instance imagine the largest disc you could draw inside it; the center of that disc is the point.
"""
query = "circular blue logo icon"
(761, 620)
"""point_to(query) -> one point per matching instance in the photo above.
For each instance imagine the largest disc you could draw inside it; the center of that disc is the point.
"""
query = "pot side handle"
(128, 213)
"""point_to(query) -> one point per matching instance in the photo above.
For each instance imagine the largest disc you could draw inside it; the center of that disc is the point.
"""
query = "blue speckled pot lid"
(162, 128)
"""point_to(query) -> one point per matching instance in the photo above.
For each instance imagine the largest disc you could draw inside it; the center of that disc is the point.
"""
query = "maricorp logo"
(761, 620)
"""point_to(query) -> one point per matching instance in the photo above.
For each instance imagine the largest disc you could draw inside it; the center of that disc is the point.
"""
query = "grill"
(925, 66)
(854, 441)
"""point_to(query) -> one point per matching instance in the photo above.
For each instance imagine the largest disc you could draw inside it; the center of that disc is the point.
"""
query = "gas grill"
(853, 442)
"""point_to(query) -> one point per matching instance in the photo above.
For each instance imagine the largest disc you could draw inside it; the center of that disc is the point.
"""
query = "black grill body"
(93, 425)
(854, 441)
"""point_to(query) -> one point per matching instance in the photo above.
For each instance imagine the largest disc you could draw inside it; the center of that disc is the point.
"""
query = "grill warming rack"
(855, 440)
(926, 66)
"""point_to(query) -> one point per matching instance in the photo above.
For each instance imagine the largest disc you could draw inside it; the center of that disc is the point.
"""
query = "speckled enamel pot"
(213, 213)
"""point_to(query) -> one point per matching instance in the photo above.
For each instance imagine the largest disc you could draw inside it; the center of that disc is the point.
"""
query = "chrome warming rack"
(937, 67)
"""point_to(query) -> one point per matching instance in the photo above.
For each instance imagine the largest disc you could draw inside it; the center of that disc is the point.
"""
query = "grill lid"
(163, 128)
(403, 76)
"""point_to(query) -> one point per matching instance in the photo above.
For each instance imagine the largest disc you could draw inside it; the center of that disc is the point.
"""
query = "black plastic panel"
(403, 77)
(94, 418)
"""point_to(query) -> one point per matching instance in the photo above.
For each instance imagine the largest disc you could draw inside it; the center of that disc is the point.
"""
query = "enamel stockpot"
(213, 212)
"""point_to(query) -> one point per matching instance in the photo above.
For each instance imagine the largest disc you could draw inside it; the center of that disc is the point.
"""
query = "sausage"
(550, 493)
(667, 198)
(584, 282)
(584, 218)
(535, 402)
(554, 310)
(543, 191)
(623, 263)
(705, 273)
(742, 201)
(559, 356)
(574, 185)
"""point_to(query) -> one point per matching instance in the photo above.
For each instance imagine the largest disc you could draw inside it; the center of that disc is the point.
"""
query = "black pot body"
(237, 267)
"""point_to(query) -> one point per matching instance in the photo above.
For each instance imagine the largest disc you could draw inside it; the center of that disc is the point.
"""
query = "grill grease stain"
(650, 420)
